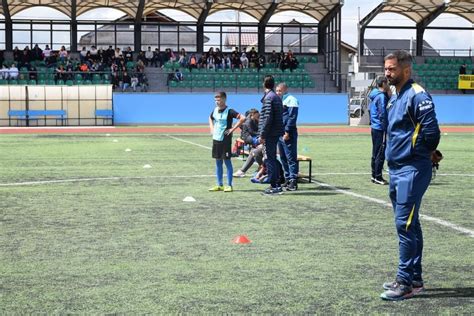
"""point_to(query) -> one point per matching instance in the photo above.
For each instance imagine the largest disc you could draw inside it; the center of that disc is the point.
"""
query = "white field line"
(12, 184)
(439, 221)
(188, 142)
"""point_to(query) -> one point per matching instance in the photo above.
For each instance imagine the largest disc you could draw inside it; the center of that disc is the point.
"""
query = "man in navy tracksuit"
(287, 145)
(412, 137)
(270, 128)
(378, 124)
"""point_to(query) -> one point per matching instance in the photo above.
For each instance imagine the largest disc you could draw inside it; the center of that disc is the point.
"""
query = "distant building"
(381, 47)
(167, 35)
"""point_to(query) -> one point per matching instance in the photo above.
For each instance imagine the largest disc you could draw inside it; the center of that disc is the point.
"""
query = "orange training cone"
(241, 239)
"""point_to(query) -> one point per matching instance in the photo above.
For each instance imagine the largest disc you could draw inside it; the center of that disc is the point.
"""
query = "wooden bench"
(105, 115)
(35, 115)
(310, 165)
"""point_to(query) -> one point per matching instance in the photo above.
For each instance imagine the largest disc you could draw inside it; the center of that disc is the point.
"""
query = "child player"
(220, 124)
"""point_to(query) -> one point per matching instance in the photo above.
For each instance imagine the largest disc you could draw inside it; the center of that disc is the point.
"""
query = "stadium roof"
(418, 10)
(138, 8)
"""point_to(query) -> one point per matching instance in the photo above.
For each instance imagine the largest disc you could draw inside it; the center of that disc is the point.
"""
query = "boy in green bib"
(220, 124)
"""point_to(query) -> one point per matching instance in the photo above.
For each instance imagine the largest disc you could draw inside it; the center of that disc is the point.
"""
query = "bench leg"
(310, 176)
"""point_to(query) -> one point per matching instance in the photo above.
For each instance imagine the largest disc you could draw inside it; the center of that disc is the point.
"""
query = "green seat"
(173, 84)
(60, 82)
(13, 82)
(41, 82)
(23, 81)
(3, 81)
(69, 82)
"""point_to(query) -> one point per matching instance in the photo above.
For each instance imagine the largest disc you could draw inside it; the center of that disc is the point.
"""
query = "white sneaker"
(239, 174)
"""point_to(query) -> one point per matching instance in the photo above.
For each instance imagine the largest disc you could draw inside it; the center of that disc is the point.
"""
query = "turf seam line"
(439, 221)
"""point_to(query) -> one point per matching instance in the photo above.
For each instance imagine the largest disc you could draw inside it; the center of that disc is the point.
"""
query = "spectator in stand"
(227, 62)
(182, 58)
(84, 68)
(210, 61)
(17, 55)
(46, 53)
(63, 54)
(108, 54)
(141, 57)
(51, 61)
(463, 69)
(140, 66)
(134, 82)
(274, 59)
(69, 71)
(25, 58)
(244, 61)
(83, 55)
(203, 61)
(293, 61)
(94, 53)
(60, 73)
(13, 72)
(126, 81)
(261, 62)
(4, 72)
(253, 58)
(37, 53)
(2, 58)
(285, 62)
(158, 58)
(94, 66)
(236, 63)
(143, 81)
(117, 53)
(33, 72)
(128, 55)
(193, 62)
(218, 59)
(172, 56)
(116, 82)
(149, 56)
(178, 75)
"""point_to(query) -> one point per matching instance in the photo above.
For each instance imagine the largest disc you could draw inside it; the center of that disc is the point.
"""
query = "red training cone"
(241, 239)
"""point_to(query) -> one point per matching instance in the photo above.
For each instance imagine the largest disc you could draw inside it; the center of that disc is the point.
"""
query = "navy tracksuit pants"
(406, 191)
(289, 155)
(273, 169)
(378, 153)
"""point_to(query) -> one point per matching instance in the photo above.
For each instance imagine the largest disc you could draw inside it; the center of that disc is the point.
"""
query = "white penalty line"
(439, 221)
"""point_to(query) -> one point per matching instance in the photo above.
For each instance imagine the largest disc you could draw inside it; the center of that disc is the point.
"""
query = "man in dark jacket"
(378, 123)
(270, 129)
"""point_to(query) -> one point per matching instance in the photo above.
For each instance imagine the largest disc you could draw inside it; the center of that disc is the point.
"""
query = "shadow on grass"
(439, 183)
(321, 191)
(447, 293)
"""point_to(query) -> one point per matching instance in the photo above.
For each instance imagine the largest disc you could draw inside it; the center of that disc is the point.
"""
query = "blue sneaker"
(397, 292)
(417, 286)
(273, 191)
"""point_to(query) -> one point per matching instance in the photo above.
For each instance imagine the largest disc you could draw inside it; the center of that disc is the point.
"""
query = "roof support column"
(137, 28)
(363, 24)
(323, 27)
(421, 26)
(200, 27)
(73, 26)
(8, 26)
(262, 24)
